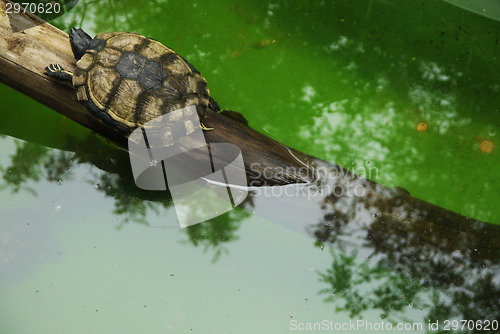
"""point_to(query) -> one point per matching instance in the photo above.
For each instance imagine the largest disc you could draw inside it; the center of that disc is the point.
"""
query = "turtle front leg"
(57, 72)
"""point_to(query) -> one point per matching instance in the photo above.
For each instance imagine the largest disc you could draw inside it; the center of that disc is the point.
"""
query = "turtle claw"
(54, 68)
(57, 72)
(203, 127)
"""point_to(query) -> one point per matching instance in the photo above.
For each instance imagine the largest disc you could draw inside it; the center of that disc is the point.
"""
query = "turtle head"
(80, 42)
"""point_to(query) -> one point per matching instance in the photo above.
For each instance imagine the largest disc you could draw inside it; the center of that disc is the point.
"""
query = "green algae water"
(405, 93)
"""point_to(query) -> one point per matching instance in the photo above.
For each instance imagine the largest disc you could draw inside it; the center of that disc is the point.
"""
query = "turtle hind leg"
(80, 42)
(204, 127)
(57, 72)
(202, 117)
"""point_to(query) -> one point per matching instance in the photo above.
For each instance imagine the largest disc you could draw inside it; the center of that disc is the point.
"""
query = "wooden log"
(28, 45)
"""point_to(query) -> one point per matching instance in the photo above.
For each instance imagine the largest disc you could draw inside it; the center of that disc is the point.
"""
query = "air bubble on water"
(58, 208)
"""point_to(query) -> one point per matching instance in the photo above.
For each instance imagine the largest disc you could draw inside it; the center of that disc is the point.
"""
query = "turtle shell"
(127, 79)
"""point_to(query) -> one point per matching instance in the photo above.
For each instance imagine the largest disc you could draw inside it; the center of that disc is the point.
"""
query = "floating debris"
(264, 44)
(422, 127)
(236, 53)
(486, 146)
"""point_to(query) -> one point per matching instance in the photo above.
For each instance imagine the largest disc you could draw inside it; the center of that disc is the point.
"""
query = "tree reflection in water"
(392, 252)
(32, 163)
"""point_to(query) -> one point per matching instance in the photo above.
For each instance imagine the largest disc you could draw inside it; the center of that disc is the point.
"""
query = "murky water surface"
(405, 93)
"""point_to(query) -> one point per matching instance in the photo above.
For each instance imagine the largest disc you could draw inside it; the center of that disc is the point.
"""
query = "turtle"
(126, 79)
